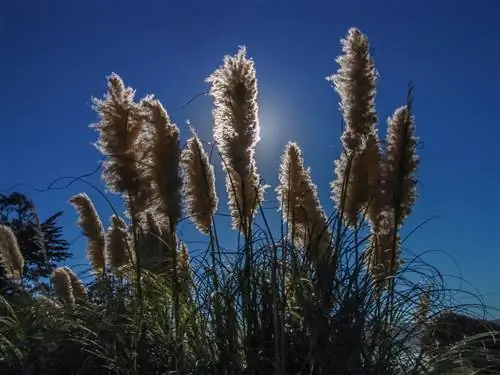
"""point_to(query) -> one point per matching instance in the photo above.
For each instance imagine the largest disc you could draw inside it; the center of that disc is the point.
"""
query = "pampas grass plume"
(11, 258)
(199, 184)
(91, 226)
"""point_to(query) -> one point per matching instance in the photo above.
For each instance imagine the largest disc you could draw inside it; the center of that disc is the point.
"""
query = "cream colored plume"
(165, 159)
(401, 163)
(91, 226)
(300, 204)
(357, 183)
(355, 83)
(61, 283)
(199, 184)
(236, 132)
(119, 128)
(117, 250)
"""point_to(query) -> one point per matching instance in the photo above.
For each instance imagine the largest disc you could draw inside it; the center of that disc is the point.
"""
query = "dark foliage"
(41, 242)
(477, 340)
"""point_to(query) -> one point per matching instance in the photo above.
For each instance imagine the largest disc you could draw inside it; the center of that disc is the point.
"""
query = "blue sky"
(56, 56)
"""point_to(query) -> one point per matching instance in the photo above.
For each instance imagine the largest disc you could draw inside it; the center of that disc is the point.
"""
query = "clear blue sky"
(56, 54)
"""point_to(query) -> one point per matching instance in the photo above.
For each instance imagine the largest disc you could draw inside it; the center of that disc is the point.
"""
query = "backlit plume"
(355, 83)
(91, 226)
(165, 159)
(199, 184)
(357, 171)
(236, 132)
(300, 204)
(401, 163)
(119, 127)
(117, 250)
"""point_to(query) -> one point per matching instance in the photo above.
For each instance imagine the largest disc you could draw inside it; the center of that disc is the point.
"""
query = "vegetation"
(322, 294)
(41, 243)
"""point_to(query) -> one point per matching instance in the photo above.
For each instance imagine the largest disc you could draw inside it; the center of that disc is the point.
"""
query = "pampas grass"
(117, 252)
(92, 228)
(165, 160)
(300, 204)
(325, 293)
(233, 87)
(11, 258)
(199, 186)
(63, 286)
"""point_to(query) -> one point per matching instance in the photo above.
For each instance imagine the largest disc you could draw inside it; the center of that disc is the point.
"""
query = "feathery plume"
(401, 163)
(165, 159)
(199, 184)
(119, 128)
(358, 169)
(396, 194)
(91, 226)
(61, 282)
(359, 184)
(300, 204)
(355, 82)
(11, 259)
(371, 161)
(76, 285)
(236, 132)
(117, 243)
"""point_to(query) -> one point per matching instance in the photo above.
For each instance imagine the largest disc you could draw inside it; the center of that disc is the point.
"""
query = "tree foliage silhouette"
(41, 242)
